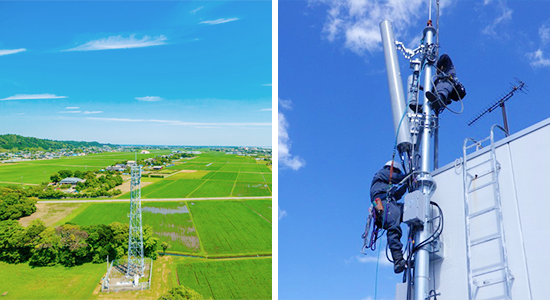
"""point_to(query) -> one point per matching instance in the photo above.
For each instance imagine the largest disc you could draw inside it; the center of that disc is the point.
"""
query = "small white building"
(144, 152)
(157, 167)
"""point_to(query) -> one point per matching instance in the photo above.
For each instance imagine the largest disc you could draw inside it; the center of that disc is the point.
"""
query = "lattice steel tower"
(136, 263)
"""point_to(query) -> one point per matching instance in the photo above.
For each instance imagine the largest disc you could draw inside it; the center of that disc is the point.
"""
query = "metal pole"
(426, 183)
(436, 143)
(397, 97)
(504, 118)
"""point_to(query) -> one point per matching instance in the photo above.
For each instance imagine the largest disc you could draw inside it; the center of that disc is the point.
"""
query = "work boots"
(437, 100)
(399, 263)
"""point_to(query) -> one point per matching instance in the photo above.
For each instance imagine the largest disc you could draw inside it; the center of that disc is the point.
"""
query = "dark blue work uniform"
(393, 211)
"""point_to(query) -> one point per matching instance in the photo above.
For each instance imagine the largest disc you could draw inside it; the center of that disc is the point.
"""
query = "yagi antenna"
(519, 86)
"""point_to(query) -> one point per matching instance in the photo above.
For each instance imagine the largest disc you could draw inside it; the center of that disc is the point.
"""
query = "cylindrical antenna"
(397, 96)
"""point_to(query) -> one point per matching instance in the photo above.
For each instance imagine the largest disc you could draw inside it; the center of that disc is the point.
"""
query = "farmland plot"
(253, 168)
(232, 176)
(262, 207)
(180, 188)
(23, 282)
(245, 189)
(251, 177)
(213, 188)
(230, 228)
(171, 221)
(227, 279)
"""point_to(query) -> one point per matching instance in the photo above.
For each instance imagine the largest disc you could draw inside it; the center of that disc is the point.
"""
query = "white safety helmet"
(396, 165)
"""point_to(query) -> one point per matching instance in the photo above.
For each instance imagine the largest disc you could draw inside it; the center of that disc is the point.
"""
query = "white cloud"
(538, 60)
(13, 51)
(219, 21)
(179, 123)
(93, 112)
(119, 42)
(72, 107)
(286, 104)
(149, 99)
(282, 213)
(544, 33)
(69, 112)
(357, 21)
(266, 109)
(33, 97)
(194, 11)
(504, 16)
(285, 158)
(267, 84)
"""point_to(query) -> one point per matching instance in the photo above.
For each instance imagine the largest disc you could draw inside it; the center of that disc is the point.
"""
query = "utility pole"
(415, 142)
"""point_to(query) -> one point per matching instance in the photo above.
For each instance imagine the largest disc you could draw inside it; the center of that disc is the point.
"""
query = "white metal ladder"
(498, 273)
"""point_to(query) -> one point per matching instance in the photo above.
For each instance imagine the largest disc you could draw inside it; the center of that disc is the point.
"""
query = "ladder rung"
(483, 211)
(479, 164)
(490, 282)
(488, 271)
(482, 186)
(485, 239)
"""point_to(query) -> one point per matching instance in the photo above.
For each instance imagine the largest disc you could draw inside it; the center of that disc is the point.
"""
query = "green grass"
(227, 279)
(251, 177)
(175, 228)
(103, 213)
(263, 207)
(212, 188)
(178, 189)
(24, 282)
(243, 189)
(230, 227)
(225, 176)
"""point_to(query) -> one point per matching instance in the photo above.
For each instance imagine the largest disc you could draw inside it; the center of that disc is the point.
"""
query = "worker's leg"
(393, 228)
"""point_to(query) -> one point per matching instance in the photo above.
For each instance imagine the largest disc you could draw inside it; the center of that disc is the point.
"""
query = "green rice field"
(231, 227)
(216, 175)
(227, 279)
(169, 220)
(20, 281)
(224, 228)
(38, 171)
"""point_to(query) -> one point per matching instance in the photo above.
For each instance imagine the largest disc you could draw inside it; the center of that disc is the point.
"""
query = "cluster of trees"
(60, 175)
(69, 244)
(92, 187)
(15, 204)
(17, 142)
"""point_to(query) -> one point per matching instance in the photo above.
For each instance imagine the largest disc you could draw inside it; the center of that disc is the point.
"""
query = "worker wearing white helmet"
(389, 212)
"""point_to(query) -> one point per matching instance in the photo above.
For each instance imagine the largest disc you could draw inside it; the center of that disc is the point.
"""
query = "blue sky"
(335, 126)
(160, 73)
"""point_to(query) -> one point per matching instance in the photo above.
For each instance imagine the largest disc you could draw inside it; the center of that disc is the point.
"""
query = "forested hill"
(11, 141)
